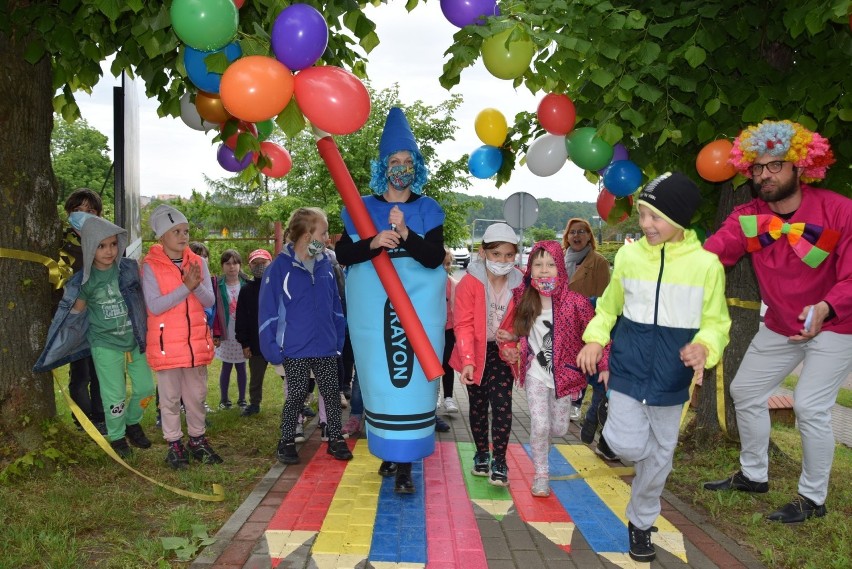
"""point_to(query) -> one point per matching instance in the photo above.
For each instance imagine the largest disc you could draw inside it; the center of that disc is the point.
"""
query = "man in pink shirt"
(800, 241)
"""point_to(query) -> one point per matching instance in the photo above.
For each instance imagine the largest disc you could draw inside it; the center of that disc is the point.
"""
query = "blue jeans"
(598, 395)
(357, 402)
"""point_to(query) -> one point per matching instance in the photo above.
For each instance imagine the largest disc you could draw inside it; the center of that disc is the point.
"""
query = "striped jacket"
(667, 296)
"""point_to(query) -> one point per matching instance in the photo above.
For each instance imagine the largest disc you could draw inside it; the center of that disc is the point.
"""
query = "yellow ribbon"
(218, 492)
(598, 472)
(58, 271)
(747, 304)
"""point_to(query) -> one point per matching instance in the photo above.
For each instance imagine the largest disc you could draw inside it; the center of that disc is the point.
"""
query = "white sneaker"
(300, 434)
(344, 404)
(576, 413)
(450, 405)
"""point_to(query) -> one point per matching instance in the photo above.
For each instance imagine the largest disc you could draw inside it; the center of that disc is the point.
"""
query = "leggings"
(225, 380)
(298, 373)
(494, 389)
(449, 373)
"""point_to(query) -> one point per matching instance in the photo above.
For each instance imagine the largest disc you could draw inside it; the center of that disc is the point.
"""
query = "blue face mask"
(400, 177)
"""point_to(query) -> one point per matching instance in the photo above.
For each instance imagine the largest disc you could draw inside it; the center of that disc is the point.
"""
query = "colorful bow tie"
(812, 243)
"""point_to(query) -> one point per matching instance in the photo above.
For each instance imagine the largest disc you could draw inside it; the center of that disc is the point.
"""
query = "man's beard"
(780, 192)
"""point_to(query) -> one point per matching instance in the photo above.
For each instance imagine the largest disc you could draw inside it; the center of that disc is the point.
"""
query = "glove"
(279, 369)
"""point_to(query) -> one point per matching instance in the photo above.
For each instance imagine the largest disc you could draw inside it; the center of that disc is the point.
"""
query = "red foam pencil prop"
(432, 367)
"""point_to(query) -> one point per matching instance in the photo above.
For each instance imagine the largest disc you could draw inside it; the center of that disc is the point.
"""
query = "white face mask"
(315, 247)
(499, 269)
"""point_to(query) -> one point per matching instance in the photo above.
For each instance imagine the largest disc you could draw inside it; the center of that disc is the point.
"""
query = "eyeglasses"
(577, 232)
(774, 167)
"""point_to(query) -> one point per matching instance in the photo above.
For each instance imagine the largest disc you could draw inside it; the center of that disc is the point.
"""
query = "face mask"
(545, 285)
(257, 270)
(499, 269)
(400, 177)
(315, 247)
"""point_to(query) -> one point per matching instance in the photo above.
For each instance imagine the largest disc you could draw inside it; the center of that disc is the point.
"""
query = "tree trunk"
(29, 224)
(740, 285)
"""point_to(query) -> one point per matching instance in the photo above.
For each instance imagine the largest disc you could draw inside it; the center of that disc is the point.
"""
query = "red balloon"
(242, 126)
(712, 161)
(333, 99)
(613, 210)
(556, 114)
(279, 159)
(239, 3)
(256, 88)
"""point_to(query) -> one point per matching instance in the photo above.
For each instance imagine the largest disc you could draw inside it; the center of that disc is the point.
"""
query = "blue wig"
(379, 170)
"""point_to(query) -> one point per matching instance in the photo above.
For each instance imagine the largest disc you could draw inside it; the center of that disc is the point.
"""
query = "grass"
(844, 397)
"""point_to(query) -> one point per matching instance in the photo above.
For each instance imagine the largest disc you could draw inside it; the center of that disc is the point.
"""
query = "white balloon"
(190, 117)
(546, 155)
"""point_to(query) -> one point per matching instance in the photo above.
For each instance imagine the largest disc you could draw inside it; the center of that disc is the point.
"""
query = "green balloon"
(507, 61)
(264, 129)
(205, 25)
(587, 150)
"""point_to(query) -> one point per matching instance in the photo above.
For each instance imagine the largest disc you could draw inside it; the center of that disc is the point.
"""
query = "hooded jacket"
(222, 314)
(470, 318)
(667, 296)
(572, 312)
(66, 338)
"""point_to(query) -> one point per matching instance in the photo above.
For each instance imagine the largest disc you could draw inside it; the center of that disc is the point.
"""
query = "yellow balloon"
(491, 127)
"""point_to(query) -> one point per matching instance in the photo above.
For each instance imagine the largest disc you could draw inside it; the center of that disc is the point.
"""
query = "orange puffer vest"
(179, 337)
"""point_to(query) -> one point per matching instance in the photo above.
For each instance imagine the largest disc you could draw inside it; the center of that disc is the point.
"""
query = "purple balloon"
(299, 36)
(462, 13)
(619, 152)
(229, 161)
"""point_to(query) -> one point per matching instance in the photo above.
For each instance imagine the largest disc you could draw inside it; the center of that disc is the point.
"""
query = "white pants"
(770, 358)
(647, 436)
(549, 417)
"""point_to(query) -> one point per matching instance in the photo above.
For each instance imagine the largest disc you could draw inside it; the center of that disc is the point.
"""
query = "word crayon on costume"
(399, 401)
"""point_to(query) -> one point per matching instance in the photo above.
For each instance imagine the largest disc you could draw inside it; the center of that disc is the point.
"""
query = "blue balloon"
(485, 161)
(622, 178)
(196, 68)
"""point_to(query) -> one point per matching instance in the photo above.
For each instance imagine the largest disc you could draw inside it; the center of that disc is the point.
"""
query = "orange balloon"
(210, 107)
(279, 159)
(712, 161)
(256, 88)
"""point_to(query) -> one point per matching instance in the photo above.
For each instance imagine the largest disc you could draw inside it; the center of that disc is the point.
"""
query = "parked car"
(461, 256)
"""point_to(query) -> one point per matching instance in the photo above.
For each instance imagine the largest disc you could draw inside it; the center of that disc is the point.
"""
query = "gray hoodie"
(94, 230)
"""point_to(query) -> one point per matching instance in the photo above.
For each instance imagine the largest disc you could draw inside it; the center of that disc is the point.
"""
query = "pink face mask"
(545, 285)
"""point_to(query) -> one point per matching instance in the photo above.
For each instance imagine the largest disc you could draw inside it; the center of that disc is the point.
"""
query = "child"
(177, 288)
(202, 251)
(482, 297)
(670, 294)
(103, 311)
(227, 348)
(450, 405)
(549, 318)
(246, 329)
(302, 327)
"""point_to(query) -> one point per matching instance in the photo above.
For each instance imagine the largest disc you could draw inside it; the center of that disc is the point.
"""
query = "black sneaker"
(588, 430)
(225, 404)
(738, 481)
(200, 449)
(176, 457)
(137, 437)
(287, 453)
(101, 427)
(387, 469)
(338, 449)
(121, 448)
(604, 451)
(403, 483)
(499, 473)
(798, 510)
(242, 404)
(641, 548)
(308, 412)
(603, 411)
(441, 426)
(480, 464)
(250, 410)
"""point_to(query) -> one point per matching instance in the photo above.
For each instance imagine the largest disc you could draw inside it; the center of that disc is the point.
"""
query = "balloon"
(587, 149)
(264, 129)
(227, 160)
(462, 13)
(712, 161)
(485, 161)
(196, 67)
(491, 127)
(204, 24)
(299, 36)
(619, 152)
(622, 178)
(333, 99)
(190, 117)
(556, 113)
(242, 127)
(256, 88)
(613, 210)
(210, 107)
(279, 159)
(547, 155)
(507, 62)
(239, 3)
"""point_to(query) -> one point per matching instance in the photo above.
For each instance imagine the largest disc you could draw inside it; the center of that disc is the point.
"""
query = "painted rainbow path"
(341, 514)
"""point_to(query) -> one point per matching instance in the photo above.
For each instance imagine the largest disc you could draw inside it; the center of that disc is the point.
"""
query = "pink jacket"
(571, 314)
(470, 315)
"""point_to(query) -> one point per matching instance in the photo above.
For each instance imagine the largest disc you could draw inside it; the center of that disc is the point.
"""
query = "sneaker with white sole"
(299, 437)
(450, 405)
(540, 487)
(576, 414)
(499, 473)
(480, 464)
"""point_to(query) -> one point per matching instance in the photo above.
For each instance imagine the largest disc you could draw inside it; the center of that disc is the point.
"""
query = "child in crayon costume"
(399, 401)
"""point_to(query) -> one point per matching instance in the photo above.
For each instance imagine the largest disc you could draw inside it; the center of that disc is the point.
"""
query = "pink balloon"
(333, 99)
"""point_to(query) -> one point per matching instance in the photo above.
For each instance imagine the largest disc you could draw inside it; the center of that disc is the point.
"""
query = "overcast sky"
(174, 157)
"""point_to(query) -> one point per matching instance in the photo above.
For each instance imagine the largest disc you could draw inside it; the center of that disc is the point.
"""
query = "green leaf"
(173, 543)
(34, 51)
(601, 77)
(109, 8)
(649, 93)
(705, 131)
(627, 82)
(757, 110)
(664, 136)
(135, 5)
(695, 56)
(844, 115)
(636, 118)
(291, 120)
(611, 133)
(660, 30)
(685, 84)
(712, 107)
(216, 62)
(648, 52)
(615, 21)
